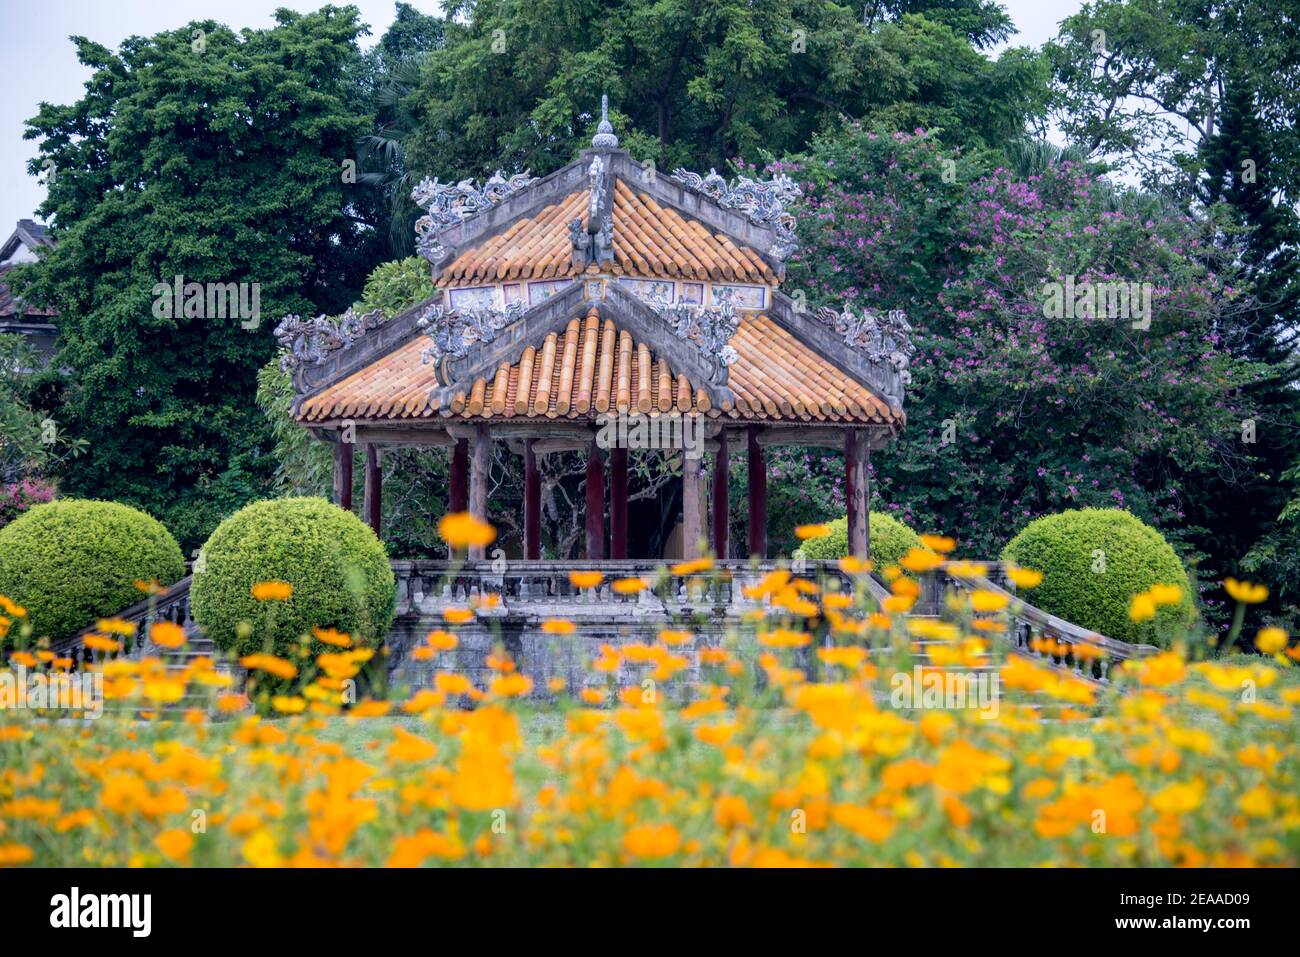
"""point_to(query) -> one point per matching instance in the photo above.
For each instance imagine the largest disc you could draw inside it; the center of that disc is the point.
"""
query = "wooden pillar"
(479, 463)
(374, 487)
(343, 474)
(618, 503)
(458, 500)
(691, 530)
(855, 481)
(532, 503)
(757, 496)
(595, 503)
(721, 502)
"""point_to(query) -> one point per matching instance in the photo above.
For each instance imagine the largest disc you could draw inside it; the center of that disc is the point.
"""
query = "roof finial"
(604, 138)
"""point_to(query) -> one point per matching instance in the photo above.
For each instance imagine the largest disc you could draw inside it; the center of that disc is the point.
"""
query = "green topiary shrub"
(74, 560)
(890, 540)
(1094, 560)
(338, 569)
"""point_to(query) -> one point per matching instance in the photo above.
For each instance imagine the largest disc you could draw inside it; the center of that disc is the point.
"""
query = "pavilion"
(604, 289)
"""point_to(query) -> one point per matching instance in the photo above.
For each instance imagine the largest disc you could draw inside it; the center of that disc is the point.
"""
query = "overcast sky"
(41, 64)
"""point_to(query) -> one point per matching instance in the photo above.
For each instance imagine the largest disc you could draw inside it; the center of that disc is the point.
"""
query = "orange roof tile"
(592, 367)
(649, 240)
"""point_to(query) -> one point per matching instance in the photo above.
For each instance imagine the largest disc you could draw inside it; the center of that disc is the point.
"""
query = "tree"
(218, 157)
(698, 82)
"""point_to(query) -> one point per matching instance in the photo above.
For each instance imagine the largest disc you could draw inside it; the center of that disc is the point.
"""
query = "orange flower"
(586, 579)
(272, 591)
(652, 841)
(464, 530)
(851, 565)
(167, 634)
(98, 642)
(441, 640)
(629, 586)
(920, 560)
(692, 567)
(457, 616)
(175, 844)
(939, 543)
(806, 532)
(1024, 577)
(270, 664)
(332, 636)
(116, 626)
(558, 626)
(1245, 592)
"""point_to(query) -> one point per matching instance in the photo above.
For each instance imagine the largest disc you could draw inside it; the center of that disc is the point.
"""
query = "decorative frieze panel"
(449, 204)
(762, 203)
(453, 332)
(311, 341)
(710, 329)
(886, 338)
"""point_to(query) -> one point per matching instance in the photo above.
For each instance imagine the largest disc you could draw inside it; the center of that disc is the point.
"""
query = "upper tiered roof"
(606, 286)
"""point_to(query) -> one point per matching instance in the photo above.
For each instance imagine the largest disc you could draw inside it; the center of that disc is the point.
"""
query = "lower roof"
(593, 367)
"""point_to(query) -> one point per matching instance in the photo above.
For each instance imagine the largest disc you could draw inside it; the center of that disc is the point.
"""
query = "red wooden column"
(721, 503)
(595, 503)
(343, 474)
(618, 503)
(691, 530)
(374, 487)
(757, 496)
(458, 500)
(855, 481)
(532, 503)
(479, 463)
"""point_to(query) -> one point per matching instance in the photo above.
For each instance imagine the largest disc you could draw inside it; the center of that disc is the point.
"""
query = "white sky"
(40, 63)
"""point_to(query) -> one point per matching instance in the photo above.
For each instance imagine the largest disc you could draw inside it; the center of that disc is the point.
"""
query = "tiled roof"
(649, 240)
(593, 367)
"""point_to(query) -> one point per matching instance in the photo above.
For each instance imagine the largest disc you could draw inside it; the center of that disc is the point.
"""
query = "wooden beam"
(618, 503)
(458, 497)
(595, 502)
(343, 474)
(374, 488)
(757, 495)
(691, 530)
(479, 464)
(378, 435)
(532, 504)
(721, 501)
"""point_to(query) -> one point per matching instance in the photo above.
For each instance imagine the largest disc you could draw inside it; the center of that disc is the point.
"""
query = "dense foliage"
(69, 561)
(1094, 561)
(338, 571)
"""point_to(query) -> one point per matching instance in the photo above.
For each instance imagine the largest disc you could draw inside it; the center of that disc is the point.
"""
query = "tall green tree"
(699, 82)
(219, 157)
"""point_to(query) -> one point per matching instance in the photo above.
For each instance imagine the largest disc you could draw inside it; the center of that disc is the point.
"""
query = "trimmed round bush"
(1094, 560)
(74, 560)
(338, 569)
(890, 540)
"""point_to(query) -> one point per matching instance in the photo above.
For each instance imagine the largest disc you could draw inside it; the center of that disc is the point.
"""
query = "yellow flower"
(939, 543)
(1165, 594)
(260, 850)
(175, 844)
(115, 626)
(1270, 640)
(920, 560)
(1024, 577)
(852, 565)
(652, 841)
(692, 567)
(1245, 592)
(464, 530)
(288, 705)
(983, 600)
(806, 532)
(586, 579)
(272, 591)
(1141, 608)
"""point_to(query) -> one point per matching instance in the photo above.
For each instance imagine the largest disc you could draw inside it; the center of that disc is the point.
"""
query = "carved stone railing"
(1086, 654)
(171, 604)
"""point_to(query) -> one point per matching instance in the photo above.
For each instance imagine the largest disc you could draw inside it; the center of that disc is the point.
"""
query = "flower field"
(792, 751)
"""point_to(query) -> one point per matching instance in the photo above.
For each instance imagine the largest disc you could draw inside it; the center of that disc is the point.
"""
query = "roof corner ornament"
(884, 339)
(604, 138)
(710, 329)
(449, 204)
(762, 203)
(452, 332)
(312, 341)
